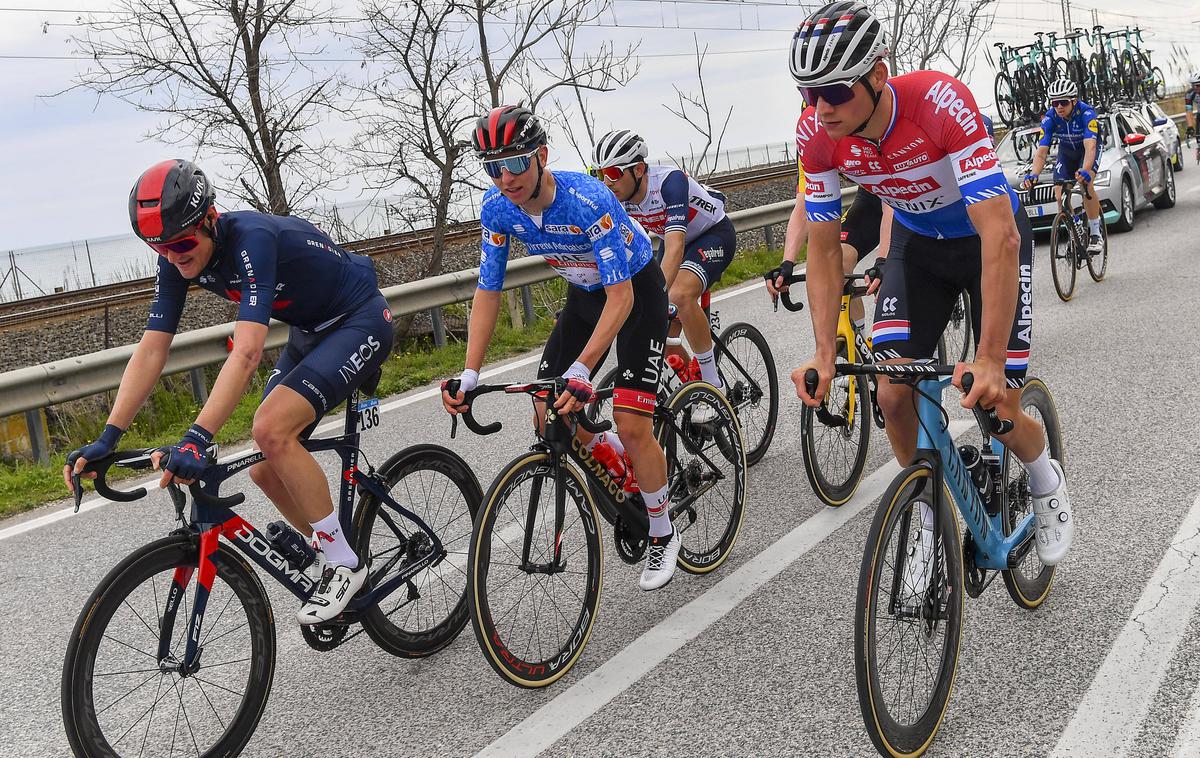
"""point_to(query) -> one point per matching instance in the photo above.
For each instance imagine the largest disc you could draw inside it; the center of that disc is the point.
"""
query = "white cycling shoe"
(660, 561)
(918, 562)
(1055, 525)
(337, 588)
(703, 413)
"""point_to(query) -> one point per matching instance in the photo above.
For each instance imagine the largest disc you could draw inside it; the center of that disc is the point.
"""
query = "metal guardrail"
(34, 387)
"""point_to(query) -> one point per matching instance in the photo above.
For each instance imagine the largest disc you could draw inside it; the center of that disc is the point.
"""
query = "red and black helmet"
(168, 198)
(507, 128)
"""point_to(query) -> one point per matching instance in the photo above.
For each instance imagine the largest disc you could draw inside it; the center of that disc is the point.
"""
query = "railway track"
(35, 309)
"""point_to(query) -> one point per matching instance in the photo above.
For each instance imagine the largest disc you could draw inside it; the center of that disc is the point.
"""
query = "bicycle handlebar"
(138, 459)
(553, 387)
(784, 296)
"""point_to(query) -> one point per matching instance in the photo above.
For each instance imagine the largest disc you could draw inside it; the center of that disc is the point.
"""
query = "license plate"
(1040, 211)
(368, 414)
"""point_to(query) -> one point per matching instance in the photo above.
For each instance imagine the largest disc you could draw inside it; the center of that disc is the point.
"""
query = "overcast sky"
(68, 162)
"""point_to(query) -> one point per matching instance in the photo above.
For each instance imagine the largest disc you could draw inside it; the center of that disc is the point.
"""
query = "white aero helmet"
(1195, 78)
(619, 148)
(837, 45)
(1061, 88)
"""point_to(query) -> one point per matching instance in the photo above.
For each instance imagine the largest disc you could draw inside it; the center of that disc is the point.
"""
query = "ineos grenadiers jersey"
(278, 267)
(1191, 101)
(585, 235)
(934, 160)
(1082, 124)
(675, 202)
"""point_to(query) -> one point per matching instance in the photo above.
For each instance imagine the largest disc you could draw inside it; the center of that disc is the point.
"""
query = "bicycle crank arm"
(1020, 550)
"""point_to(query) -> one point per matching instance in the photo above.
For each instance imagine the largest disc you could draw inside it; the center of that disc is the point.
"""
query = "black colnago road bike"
(536, 563)
(175, 649)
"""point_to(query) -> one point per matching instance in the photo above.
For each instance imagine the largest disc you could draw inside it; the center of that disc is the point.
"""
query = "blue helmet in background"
(987, 124)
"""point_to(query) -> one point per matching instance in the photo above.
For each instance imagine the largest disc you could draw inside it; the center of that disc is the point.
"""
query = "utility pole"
(1066, 14)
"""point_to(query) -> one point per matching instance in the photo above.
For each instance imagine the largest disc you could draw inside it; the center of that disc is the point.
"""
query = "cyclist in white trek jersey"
(698, 239)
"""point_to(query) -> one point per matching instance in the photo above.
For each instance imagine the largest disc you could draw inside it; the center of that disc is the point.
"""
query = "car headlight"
(1102, 179)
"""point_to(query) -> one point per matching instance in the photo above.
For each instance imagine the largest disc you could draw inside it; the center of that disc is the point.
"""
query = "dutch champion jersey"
(585, 235)
(934, 160)
(278, 267)
(675, 202)
(1071, 132)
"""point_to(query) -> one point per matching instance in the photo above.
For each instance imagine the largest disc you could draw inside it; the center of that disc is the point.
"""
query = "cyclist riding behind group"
(1191, 104)
(866, 225)
(1076, 125)
(917, 141)
(698, 239)
(615, 292)
(278, 267)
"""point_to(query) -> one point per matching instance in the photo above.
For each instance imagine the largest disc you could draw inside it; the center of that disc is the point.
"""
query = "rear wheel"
(1124, 222)
(1062, 256)
(834, 439)
(908, 616)
(956, 340)
(748, 370)
(1029, 583)
(124, 687)
(426, 613)
(1097, 264)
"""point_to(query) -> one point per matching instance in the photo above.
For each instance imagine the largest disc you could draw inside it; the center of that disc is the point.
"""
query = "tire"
(706, 474)
(1063, 251)
(1127, 76)
(1177, 166)
(494, 587)
(1077, 72)
(135, 593)
(1006, 100)
(439, 487)
(1029, 584)
(754, 392)
(1125, 220)
(1160, 84)
(956, 342)
(916, 619)
(1167, 198)
(602, 409)
(1101, 77)
(1098, 264)
(835, 485)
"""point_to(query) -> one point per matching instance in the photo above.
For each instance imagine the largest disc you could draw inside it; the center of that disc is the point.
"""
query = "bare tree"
(231, 79)
(935, 34)
(694, 110)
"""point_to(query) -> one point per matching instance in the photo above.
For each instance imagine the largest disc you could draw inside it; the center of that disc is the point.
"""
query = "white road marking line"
(1110, 714)
(548, 724)
(430, 392)
(1187, 741)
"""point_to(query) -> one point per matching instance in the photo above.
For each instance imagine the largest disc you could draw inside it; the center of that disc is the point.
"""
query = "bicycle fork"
(179, 584)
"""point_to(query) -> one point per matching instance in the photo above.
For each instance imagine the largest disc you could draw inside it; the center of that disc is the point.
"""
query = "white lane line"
(548, 724)
(1191, 190)
(1110, 714)
(1187, 742)
(429, 392)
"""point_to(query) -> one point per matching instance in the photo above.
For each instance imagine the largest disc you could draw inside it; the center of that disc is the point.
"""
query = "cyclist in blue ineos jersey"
(273, 267)
(616, 292)
(1079, 145)
(698, 239)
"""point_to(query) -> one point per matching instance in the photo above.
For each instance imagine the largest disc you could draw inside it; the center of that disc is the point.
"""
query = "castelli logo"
(982, 159)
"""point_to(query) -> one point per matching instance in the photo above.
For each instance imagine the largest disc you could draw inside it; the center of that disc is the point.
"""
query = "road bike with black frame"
(175, 649)
(909, 607)
(835, 437)
(747, 370)
(1069, 235)
(536, 563)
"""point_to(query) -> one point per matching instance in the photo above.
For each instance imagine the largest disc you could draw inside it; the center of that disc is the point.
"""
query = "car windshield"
(1018, 146)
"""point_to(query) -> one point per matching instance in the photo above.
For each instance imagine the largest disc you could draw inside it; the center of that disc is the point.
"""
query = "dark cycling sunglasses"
(834, 94)
(182, 245)
(518, 164)
(1059, 103)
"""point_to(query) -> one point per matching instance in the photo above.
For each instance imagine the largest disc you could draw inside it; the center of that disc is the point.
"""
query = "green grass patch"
(171, 408)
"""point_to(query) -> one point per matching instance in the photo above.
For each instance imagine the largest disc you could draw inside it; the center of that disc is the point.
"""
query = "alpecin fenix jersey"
(585, 235)
(934, 160)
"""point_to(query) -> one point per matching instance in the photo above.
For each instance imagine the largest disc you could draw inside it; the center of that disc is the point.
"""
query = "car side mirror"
(1135, 138)
(1161, 121)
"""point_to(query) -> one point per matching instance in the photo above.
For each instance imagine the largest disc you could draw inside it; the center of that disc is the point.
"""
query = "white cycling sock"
(1043, 479)
(1094, 224)
(337, 549)
(860, 323)
(659, 510)
(708, 368)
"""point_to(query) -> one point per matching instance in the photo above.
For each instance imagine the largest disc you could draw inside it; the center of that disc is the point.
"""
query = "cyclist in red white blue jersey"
(615, 292)
(918, 142)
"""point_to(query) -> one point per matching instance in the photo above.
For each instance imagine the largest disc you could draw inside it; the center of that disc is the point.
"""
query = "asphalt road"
(756, 659)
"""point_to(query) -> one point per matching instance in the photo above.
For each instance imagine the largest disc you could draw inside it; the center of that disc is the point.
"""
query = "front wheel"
(956, 340)
(534, 571)
(834, 438)
(1167, 198)
(1062, 256)
(748, 371)
(1125, 219)
(425, 613)
(1029, 583)
(706, 474)
(908, 615)
(125, 689)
